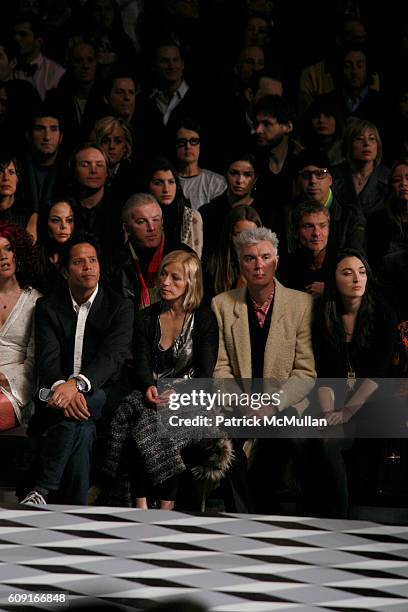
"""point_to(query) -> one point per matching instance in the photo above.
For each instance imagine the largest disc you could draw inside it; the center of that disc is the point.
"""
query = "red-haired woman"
(18, 266)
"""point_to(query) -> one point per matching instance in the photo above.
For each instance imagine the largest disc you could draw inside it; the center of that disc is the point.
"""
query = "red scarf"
(148, 293)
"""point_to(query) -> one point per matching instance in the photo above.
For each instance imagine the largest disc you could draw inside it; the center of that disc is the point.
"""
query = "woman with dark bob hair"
(322, 128)
(18, 269)
(174, 338)
(354, 335)
(12, 207)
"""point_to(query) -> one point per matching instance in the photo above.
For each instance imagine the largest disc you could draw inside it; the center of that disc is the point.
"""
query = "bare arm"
(354, 403)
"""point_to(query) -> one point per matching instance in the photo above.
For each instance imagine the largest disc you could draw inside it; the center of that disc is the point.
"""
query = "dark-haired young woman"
(55, 227)
(181, 223)
(12, 208)
(354, 337)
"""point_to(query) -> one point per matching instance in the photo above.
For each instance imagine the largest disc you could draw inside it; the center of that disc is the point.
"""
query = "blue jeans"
(65, 461)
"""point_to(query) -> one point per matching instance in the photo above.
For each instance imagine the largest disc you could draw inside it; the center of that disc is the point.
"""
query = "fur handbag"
(211, 459)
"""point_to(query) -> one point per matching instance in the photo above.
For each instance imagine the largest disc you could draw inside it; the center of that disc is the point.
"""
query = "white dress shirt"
(167, 107)
(46, 77)
(82, 312)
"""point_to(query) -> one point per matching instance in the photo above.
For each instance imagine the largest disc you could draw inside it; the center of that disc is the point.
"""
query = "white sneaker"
(34, 499)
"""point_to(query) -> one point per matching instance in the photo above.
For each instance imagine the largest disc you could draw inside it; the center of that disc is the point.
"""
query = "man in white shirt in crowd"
(82, 337)
(42, 72)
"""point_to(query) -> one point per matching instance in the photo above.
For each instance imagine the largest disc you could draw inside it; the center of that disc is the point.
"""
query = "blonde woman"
(361, 179)
(114, 135)
(174, 338)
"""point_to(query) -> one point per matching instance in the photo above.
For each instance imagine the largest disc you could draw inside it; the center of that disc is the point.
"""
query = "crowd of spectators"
(156, 154)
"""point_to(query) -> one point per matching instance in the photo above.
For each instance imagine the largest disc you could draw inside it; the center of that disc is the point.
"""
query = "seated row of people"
(83, 335)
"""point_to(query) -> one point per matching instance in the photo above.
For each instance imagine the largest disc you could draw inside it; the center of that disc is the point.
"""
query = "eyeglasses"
(182, 142)
(320, 174)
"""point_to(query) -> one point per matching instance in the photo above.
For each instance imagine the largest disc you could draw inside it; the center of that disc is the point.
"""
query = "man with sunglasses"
(313, 181)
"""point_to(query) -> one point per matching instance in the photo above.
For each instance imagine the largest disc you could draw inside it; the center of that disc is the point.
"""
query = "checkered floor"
(228, 563)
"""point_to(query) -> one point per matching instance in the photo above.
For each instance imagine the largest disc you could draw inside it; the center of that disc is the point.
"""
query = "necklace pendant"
(351, 380)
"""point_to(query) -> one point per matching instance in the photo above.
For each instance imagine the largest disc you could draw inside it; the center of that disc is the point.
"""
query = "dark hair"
(119, 71)
(244, 156)
(279, 107)
(255, 79)
(264, 17)
(332, 306)
(76, 40)
(80, 238)
(163, 164)
(346, 48)
(170, 41)
(36, 23)
(44, 239)
(6, 157)
(188, 123)
(311, 157)
(308, 207)
(323, 104)
(296, 213)
(223, 264)
(47, 109)
(172, 213)
(25, 252)
(117, 26)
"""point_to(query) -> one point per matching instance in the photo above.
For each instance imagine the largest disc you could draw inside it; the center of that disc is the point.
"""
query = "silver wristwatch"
(80, 384)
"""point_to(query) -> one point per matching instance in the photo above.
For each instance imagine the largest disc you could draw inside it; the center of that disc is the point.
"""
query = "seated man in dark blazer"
(82, 337)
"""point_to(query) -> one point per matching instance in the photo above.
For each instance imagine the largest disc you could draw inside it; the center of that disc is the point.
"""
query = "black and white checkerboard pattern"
(229, 563)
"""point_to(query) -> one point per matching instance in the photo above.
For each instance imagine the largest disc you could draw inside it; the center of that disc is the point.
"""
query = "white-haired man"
(133, 271)
(265, 327)
(265, 333)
